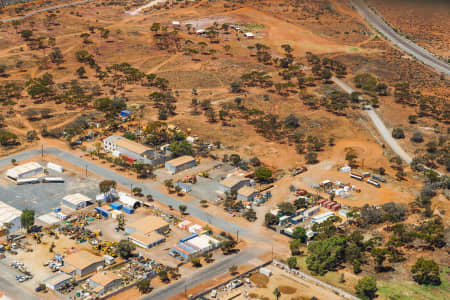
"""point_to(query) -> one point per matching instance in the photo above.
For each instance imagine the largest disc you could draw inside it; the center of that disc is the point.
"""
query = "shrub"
(398, 133)
(426, 272)
(417, 137)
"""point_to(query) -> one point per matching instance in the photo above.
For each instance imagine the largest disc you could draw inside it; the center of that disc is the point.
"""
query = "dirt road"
(139, 9)
(379, 125)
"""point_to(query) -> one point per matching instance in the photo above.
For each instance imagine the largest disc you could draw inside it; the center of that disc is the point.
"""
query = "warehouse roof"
(132, 146)
(147, 239)
(77, 198)
(202, 242)
(181, 160)
(82, 259)
(246, 191)
(148, 224)
(54, 280)
(8, 213)
(231, 181)
(104, 278)
(16, 171)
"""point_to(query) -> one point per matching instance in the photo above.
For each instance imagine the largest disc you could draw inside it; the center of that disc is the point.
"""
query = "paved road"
(10, 287)
(204, 274)
(404, 44)
(147, 189)
(379, 125)
(44, 10)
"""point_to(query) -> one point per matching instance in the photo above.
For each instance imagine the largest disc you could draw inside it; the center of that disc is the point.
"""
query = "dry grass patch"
(286, 289)
(260, 279)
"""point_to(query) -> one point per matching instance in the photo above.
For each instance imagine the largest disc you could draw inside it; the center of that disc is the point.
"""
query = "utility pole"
(272, 253)
(42, 150)
(131, 188)
(237, 236)
(86, 170)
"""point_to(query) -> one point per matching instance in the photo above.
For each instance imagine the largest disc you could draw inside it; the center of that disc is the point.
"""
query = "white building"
(9, 215)
(203, 243)
(322, 217)
(57, 281)
(26, 170)
(76, 201)
(129, 201)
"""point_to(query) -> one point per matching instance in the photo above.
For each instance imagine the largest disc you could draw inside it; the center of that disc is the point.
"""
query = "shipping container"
(356, 176)
(378, 178)
(128, 210)
(53, 180)
(103, 212)
(116, 205)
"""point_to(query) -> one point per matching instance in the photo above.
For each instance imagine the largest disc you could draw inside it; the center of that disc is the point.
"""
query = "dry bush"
(286, 289)
(260, 279)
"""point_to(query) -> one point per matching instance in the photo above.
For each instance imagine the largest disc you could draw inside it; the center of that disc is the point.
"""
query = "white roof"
(127, 200)
(76, 199)
(22, 169)
(202, 242)
(54, 280)
(249, 34)
(8, 213)
(49, 219)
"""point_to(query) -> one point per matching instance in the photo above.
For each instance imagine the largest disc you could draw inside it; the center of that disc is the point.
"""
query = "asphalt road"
(379, 125)
(44, 10)
(204, 274)
(146, 189)
(404, 44)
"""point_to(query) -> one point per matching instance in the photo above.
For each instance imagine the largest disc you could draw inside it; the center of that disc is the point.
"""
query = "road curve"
(404, 44)
(379, 125)
(44, 10)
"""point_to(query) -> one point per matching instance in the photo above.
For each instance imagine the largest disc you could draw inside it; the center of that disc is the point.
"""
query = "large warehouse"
(180, 163)
(9, 215)
(147, 225)
(26, 170)
(76, 201)
(84, 262)
(57, 281)
(233, 183)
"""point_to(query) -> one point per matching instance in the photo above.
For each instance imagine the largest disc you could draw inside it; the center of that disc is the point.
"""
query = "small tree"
(292, 262)
(182, 209)
(233, 269)
(417, 137)
(163, 276)
(299, 233)
(27, 218)
(263, 174)
(271, 219)
(196, 262)
(125, 248)
(398, 133)
(106, 185)
(277, 293)
(144, 286)
(81, 72)
(366, 288)
(311, 157)
(426, 271)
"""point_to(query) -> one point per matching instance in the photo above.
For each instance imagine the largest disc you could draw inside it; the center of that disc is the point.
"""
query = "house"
(76, 201)
(132, 151)
(103, 282)
(9, 217)
(57, 281)
(176, 24)
(147, 240)
(322, 217)
(84, 262)
(147, 225)
(26, 170)
(180, 163)
(246, 193)
(233, 183)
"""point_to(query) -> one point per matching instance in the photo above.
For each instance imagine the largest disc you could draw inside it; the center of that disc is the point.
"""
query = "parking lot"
(44, 197)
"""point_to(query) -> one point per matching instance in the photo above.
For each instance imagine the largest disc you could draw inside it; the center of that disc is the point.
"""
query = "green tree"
(299, 233)
(196, 262)
(26, 34)
(295, 245)
(81, 72)
(144, 286)
(292, 262)
(233, 269)
(179, 148)
(125, 248)
(263, 174)
(270, 219)
(366, 288)
(287, 208)
(277, 293)
(326, 254)
(311, 157)
(182, 209)
(27, 218)
(106, 185)
(426, 271)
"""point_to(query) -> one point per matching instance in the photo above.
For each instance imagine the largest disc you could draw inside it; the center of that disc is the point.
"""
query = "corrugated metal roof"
(77, 198)
(181, 160)
(8, 213)
(19, 170)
